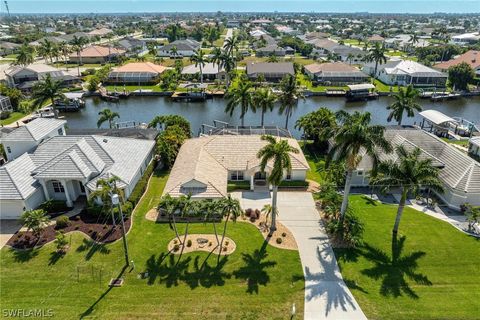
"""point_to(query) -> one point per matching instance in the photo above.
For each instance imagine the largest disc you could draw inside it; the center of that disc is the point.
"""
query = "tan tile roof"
(330, 66)
(140, 67)
(207, 160)
(472, 57)
(98, 51)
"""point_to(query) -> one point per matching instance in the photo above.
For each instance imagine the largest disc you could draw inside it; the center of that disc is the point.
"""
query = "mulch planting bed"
(88, 224)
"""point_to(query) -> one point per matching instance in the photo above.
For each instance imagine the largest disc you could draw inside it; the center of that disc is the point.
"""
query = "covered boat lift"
(444, 126)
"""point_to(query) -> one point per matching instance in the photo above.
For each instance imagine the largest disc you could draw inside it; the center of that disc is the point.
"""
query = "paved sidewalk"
(326, 295)
(7, 230)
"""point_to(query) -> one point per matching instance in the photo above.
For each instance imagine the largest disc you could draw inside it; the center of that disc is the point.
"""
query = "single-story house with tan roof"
(102, 32)
(96, 54)
(136, 72)
(335, 73)
(204, 165)
(471, 57)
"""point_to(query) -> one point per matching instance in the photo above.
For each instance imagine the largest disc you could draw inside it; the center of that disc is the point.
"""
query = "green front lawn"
(245, 286)
(463, 143)
(382, 87)
(14, 116)
(317, 165)
(435, 274)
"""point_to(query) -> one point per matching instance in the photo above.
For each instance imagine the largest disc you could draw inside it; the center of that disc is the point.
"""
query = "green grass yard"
(443, 261)
(33, 279)
(14, 116)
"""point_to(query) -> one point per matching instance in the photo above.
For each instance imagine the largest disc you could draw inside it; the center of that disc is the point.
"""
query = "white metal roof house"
(68, 167)
(474, 146)
(27, 137)
(25, 77)
(459, 173)
(204, 165)
(210, 71)
(405, 72)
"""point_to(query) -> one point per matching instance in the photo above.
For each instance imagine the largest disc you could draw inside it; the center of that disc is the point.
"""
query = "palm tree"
(174, 52)
(199, 59)
(350, 58)
(231, 45)
(413, 39)
(227, 63)
(35, 220)
(355, 136)
(377, 54)
(240, 95)
(319, 125)
(47, 90)
(272, 58)
(104, 190)
(410, 173)
(211, 211)
(25, 55)
(77, 45)
(404, 102)
(278, 152)
(216, 56)
(170, 206)
(267, 210)
(289, 96)
(46, 50)
(230, 207)
(65, 51)
(187, 209)
(264, 99)
(107, 115)
(152, 49)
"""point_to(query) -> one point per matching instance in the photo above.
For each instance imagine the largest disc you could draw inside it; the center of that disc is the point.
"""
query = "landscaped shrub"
(279, 240)
(226, 243)
(62, 222)
(189, 243)
(348, 229)
(176, 247)
(127, 208)
(142, 184)
(94, 210)
(54, 206)
(257, 213)
(248, 212)
(284, 234)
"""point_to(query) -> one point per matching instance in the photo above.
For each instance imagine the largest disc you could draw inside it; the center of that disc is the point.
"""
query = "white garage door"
(11, 209)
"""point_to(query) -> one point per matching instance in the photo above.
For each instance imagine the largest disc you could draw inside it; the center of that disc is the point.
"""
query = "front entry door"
(82, 187)
(260, 175)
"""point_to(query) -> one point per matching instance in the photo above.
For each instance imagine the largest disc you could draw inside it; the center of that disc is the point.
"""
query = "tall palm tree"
(65, 51)
(25, 55)
(152, 49)
(212, 210)
(231, 45)
(350, 58)
(227, 63)
(46, 50)
(77, 44)
(47, 90)
(240, 95)
(413, 39)
(404, 102)
(107, 115)
(230, 208)
(170, 206)
(354, 136)
(174, 52)
(264, 100)
(216, 56)
(410, 173)
(277, 152)
(377, 55)
(104, 190)
(290, 93)
(187, 210)
(199, 59)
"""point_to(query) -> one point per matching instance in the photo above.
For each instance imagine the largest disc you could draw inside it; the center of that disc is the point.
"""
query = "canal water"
(143, 109)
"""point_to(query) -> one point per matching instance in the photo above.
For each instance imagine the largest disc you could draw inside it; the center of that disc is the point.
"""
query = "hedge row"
(54, 206)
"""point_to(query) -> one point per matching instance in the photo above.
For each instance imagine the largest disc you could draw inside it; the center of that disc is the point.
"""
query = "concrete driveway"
(7, 229)
(326, 295)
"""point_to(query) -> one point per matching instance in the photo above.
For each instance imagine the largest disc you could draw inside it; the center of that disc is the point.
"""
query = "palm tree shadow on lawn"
(92, 247)
(394, 269)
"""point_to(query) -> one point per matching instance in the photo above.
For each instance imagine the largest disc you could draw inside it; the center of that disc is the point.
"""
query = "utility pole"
(116, 202)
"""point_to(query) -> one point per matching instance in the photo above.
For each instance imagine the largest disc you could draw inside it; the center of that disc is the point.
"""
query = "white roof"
(436, 117)
(35, 68)
(16, 181)
(34, 130)
(362, 86)
(208, 68)
(475, 141)
(409, 67)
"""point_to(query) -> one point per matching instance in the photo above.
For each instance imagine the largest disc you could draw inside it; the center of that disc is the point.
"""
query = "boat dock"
(106, 96)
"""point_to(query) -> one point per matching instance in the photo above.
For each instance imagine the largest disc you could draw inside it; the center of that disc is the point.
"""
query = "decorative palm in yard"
(78, 43)
(47, 90)
(199, 60)
(290, 93)
(318, 125)
(211, 210)
(354, 136)
(25, 55)
(105, 188)
(377, 55)
(34, 220)
(278, 153)
(404, 102)
(264, 100)
(409, 173)
(107, 115)
(231, 45)
(240, 95)
(230, 208)
(169, 205)
(228, 63)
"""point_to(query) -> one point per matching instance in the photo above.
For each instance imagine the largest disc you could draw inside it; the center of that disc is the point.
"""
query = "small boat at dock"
(361, 92)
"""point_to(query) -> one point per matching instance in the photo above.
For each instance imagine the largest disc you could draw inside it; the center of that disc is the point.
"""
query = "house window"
(58, 187)
(9, 150)
(60, 131)
(359, 173)
(236, 175)
(289, 175)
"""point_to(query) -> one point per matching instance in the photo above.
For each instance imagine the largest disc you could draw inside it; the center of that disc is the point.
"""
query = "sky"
(340, 6)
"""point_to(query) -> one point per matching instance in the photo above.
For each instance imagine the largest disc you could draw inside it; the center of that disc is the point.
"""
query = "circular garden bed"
(202, 242)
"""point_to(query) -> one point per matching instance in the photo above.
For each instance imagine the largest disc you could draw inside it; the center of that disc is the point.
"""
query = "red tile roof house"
(136, 72)
(96, 54)
(471, 57)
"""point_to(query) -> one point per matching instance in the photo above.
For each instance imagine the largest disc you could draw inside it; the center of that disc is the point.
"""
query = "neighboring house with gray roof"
(185, 48)
(26, 138)
(459, 173)
(68, 167)
(204, 165)
(272, 71)
(25, 77)
(270, 50)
